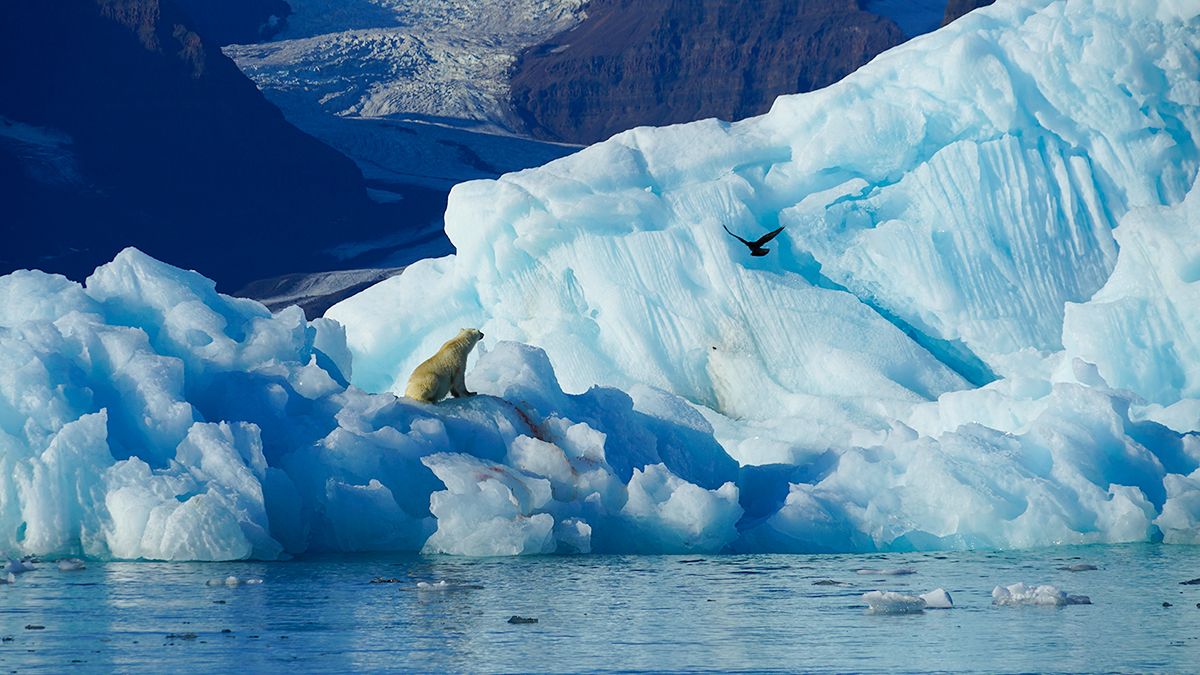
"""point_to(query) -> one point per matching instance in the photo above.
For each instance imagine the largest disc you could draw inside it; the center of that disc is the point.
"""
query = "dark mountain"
(120, 126)
(224, 22)
(657, 62)
(957, 8)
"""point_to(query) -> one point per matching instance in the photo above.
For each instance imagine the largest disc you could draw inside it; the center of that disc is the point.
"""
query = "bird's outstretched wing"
(735, 236)
(767, 237)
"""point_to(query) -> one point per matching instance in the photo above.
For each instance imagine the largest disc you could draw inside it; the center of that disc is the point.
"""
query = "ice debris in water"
(1078, 567)
(9, 578)
(1044, 595)
(887, 572)
(890, 602)
(938, 598)
(232, 581)
(71, 565)
(18, 566)
(444, 585)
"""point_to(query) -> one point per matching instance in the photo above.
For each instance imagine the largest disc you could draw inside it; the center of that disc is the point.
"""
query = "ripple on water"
(635, 613)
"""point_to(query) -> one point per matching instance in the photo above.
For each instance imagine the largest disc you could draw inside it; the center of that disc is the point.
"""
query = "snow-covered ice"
(415, 91)
(438, 58)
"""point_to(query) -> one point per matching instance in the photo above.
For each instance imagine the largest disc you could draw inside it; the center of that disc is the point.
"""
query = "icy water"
(606, 613)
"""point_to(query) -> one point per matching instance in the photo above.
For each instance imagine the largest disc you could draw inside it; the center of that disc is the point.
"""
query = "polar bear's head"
(471, 335)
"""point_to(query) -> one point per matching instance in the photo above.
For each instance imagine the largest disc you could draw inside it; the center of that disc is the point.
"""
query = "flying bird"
(756, 247)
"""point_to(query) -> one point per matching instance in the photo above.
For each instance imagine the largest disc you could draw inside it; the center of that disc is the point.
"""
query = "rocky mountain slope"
(225, 22)
(658, 62)
(122, 126)
(957, 8)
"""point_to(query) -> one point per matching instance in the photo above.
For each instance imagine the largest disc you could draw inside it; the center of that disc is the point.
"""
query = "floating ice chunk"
(886, 572)
(1043, 595)
(71, 564)
(18, 567)
(232, 581)
(444, 585)
(1078, 567)
(889, 602)
(9, 578)
(938, 598)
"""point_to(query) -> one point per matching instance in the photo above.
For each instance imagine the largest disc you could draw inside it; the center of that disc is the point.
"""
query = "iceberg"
(145, 416)
(974, 331)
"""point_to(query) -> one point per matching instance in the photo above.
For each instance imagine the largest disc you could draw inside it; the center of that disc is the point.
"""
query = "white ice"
(938, 598)
(1042, 595)
(890, 602)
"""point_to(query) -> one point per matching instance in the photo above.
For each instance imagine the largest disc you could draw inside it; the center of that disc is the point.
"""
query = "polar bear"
(444, 372)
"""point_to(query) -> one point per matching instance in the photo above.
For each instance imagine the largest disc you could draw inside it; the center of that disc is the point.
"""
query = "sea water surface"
(606, 613)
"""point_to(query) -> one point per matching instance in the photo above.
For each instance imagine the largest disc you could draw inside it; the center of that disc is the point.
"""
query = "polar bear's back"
(427, 383)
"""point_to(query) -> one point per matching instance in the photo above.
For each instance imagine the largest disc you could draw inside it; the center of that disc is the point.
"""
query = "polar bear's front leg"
(458, 386)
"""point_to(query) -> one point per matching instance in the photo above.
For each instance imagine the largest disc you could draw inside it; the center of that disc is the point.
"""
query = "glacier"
(978, 329)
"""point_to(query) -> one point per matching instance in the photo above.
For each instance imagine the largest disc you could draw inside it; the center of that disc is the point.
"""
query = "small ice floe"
(1078, 567)
(9, 578)
(938, 598)
(232, 581)
(71, 565)
(888, 602)
(1044, 595)
(444, 585)
(891, 572)
(18, 567)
